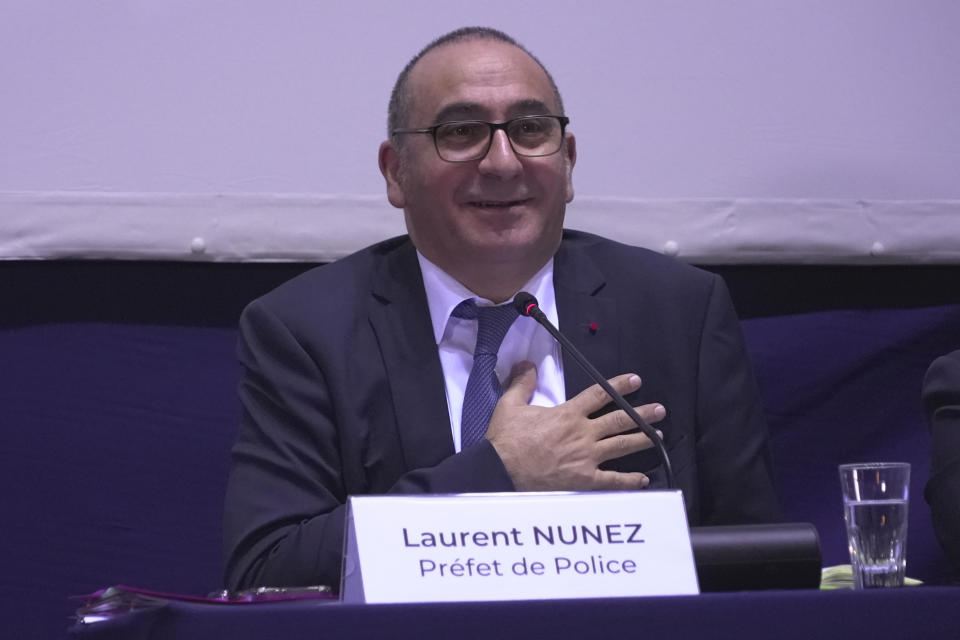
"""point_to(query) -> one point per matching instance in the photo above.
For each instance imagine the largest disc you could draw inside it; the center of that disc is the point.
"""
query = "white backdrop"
(737, 130)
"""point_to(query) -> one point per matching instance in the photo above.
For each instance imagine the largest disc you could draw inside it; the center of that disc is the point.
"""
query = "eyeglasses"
(467, 140)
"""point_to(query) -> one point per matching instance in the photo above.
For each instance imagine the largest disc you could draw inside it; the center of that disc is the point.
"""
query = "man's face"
(502, 211)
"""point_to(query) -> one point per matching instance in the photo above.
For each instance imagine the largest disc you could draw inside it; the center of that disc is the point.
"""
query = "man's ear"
(570, 150)
(390, 168)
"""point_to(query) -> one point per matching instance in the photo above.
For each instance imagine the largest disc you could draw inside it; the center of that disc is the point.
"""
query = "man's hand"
(561, 448)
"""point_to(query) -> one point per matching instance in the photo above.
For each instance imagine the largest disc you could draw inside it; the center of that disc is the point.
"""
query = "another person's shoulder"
(948, 364)
(942, 381)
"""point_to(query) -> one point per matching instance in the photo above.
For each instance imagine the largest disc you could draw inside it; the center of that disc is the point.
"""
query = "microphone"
(526, 304)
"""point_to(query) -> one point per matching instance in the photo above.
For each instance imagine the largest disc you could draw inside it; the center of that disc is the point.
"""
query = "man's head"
(493, 221)
(398, 111)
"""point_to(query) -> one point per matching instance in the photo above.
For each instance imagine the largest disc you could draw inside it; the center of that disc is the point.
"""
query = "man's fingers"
(618, 421)
(594, 398)
(521, 384)
(578, 444)
(620, 481)
(621, 445)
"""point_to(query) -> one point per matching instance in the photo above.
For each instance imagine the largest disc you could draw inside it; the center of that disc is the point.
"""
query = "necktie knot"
(492, 324)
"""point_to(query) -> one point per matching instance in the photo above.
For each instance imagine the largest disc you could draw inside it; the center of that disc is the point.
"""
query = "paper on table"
(841, 577)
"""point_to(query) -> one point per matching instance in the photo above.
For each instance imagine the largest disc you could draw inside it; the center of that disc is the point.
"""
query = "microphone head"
(525, 303)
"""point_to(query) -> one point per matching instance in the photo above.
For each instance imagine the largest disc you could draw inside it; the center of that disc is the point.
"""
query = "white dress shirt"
(526, 340)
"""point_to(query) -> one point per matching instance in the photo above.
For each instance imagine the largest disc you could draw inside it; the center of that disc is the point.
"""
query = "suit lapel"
(401, 322)
(587, 317)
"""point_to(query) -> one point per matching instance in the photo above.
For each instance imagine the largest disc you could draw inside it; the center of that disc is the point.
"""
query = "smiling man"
(404, 369)
(484, 205)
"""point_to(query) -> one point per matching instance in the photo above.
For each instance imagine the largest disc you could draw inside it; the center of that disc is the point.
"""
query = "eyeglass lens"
(461, 141)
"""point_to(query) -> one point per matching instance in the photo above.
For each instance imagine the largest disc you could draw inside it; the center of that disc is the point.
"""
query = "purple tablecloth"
(912, 612)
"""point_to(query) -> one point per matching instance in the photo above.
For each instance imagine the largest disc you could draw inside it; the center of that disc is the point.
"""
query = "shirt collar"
(444, 293)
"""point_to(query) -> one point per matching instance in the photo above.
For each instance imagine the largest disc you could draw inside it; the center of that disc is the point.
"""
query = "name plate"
(516, 546)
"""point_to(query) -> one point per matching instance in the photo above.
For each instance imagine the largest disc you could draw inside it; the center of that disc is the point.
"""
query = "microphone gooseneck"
(526, 304)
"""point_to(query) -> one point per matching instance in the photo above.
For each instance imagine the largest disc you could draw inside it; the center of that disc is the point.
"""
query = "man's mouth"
(496, 204)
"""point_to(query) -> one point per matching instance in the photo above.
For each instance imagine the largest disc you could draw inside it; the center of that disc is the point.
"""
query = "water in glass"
(877, 535)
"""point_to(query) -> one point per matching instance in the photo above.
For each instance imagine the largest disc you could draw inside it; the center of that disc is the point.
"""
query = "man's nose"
(501, 160)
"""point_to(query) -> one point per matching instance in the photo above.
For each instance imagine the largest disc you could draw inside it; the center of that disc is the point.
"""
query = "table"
(911, 612)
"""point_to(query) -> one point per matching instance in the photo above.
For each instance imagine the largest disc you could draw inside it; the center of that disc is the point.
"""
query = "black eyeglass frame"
(494, 127)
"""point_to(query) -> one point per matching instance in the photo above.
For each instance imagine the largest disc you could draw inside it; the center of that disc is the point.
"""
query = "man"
(941, 399)
(360, 376)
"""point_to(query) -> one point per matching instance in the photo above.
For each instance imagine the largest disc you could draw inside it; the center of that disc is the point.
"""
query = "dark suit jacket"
(343, 394)
(941, 398)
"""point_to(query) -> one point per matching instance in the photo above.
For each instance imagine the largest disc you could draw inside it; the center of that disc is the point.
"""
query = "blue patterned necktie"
(483, 388)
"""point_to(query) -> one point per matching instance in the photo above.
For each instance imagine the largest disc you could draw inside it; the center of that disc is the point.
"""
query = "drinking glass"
(875, 499)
